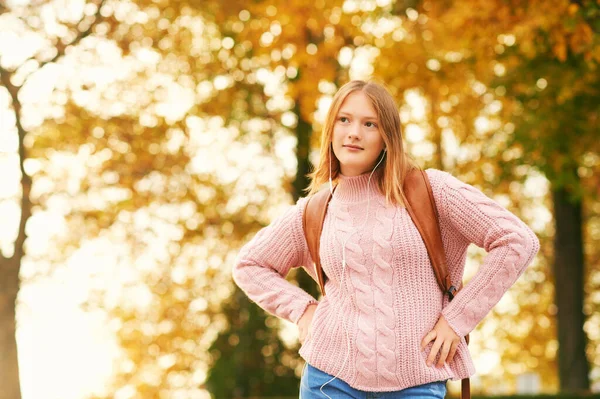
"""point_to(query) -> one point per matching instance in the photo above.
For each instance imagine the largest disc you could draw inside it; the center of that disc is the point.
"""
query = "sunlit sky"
(64, 351)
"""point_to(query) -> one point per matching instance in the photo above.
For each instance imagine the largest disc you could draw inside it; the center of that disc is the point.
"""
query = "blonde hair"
(397, 162)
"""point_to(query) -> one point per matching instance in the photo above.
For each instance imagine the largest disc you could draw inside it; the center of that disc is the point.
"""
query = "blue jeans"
(313, 378)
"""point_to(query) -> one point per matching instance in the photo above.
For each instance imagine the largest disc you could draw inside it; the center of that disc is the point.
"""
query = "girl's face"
(357, 143)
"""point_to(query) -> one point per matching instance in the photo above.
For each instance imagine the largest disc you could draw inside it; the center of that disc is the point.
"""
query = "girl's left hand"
(445, 338)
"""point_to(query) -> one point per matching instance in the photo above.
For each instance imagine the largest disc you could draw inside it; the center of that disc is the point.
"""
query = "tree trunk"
(438, 156)
(9, 267)
(303, 133)
(9, 365)
(10, 387)
(568, 274)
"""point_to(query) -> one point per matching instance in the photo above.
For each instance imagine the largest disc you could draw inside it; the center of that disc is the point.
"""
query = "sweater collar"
(355, 188)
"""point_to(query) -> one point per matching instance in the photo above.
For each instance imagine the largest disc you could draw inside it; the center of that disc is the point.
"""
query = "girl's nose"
(354, 130)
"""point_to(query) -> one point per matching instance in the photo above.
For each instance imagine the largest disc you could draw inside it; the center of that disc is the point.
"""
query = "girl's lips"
(351, 148)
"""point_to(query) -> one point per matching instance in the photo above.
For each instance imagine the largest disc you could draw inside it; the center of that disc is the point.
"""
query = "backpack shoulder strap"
(312, 223)
(421, 208)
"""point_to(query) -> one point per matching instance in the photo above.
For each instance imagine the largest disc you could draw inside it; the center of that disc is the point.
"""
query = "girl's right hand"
(305, 322)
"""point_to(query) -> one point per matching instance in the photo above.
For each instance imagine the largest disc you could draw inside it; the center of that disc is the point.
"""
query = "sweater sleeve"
(510, 245)
(263, 263)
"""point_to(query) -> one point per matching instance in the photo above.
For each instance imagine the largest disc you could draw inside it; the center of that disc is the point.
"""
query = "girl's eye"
(371, 124)
(343, 119)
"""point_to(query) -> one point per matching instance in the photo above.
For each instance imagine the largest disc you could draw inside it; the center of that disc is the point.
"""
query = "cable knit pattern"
(356, 270)
(389, 298)
(384, 298)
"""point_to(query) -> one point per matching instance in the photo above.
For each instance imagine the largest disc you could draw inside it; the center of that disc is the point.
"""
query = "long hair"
(397, 162)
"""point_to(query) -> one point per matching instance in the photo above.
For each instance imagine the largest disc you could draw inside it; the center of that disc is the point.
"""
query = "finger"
(453, 351)
(444, 354)
(431, 335)
(434, 350)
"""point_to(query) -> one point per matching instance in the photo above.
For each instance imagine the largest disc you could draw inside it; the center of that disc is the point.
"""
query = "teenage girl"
(384, 329)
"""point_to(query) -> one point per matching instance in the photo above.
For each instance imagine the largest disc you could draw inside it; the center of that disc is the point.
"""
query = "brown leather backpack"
(423, 212)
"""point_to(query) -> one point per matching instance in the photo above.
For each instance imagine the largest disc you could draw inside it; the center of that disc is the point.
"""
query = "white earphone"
(330, 156)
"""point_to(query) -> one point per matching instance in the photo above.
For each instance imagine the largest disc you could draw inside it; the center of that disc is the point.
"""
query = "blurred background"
(143, 142)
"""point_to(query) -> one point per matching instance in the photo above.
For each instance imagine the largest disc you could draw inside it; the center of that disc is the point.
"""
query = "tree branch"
(61, 48)
(5, 79)
(13, 90)
(25, 210)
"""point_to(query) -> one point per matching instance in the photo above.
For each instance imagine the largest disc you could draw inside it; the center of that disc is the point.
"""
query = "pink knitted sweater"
(389, 298)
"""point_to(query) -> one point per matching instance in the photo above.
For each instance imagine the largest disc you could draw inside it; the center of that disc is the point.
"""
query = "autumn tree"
(513, 88)
(14, 75)
(546, 74)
